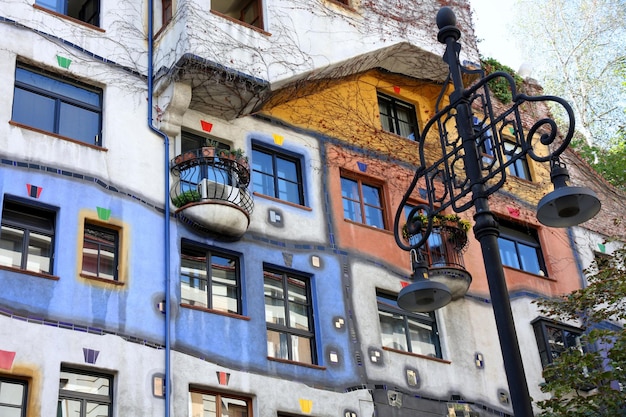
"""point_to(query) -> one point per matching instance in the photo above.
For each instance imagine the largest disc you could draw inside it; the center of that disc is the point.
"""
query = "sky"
(491, 20)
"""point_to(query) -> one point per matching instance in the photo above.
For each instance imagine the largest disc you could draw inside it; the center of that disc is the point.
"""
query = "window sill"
(521, 271)
(367, 226)
(66, 17)
(278, 200)
(218, 312)
(417, 355)
(27, 272)
(43, 132)
(308, 365)
(105, 280)
(241, 22)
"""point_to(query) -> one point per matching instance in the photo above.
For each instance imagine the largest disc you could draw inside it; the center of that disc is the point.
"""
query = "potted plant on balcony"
(453, 227)
(186, 197)
(240, 156)
(209, 147)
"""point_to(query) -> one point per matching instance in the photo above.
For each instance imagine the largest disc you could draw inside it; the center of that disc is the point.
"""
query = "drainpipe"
(577, 259)
(166, 220)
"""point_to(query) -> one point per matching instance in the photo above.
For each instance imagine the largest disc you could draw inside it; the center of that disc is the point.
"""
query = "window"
(289, 316)
(211, 404)
(398, 117)
(520, 167)
(409, 332)
(520, 249)
(100, 252)
(362, 203)
(85, 394)
(247, 11)
(554, 338)
(277, 175)
(13, 396)
(27, 237)
(209, 278)
(87, 11)
(166, 11)
(63, 107)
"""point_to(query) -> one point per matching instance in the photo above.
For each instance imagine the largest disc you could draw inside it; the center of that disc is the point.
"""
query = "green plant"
(186, 197)
(500, 86)
(210, 143)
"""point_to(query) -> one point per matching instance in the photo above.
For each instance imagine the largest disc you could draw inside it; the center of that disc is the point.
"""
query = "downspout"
(166, 215)
(577, 260)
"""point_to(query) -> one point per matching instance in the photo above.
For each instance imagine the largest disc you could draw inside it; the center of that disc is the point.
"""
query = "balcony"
(444, 254)
(211, 193)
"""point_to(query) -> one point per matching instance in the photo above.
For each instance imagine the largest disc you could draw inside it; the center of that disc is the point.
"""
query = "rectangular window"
(100, 252)
(27, 237)
(13, 397)
(520, 167)
(166, 11)
(58, 106)
(398, 116)
(277, 175)
(214, 404)
(87, 11)
(554, 338)
(210, 279)
(289, 316)
(520, 249)
(247, 11)
(409, 332)
(362, 202)
(85, 394)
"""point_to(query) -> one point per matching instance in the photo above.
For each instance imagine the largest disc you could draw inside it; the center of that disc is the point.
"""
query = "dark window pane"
(78, 123)
(33, 110)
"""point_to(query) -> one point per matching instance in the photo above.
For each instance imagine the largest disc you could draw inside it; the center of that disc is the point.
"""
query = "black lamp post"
(472, 165)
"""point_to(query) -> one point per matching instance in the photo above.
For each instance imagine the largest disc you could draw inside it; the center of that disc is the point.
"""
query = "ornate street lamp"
(461, 176)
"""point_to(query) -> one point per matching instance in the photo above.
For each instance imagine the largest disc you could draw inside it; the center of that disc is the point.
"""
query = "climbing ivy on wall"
(500, 87)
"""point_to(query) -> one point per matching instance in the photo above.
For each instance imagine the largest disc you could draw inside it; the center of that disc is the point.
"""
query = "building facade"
(197, 209)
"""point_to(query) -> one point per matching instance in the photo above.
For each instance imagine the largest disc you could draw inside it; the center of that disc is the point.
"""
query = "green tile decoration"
(602, 247)
(103, 214)
(63, 61)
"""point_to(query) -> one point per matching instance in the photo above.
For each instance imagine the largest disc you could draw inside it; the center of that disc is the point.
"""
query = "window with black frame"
(520, 248)
(84, 393)
(87, 11)
(210, 278)
(406, 331)
(57, 105)
(27, 237)
(398, 116)
(555, 338)
(13, 397)
(289, 316)
(277, 174)
(247, 11)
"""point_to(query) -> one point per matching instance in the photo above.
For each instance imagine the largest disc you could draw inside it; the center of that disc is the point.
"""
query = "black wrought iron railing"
(206, 178)
(444, 247)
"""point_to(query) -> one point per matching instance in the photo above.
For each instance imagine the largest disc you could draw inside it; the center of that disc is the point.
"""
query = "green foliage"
(500, 86)
(186, 197)
(610, 163)
(585, 383)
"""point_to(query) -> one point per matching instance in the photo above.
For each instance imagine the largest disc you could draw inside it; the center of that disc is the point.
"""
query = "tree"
(610, 162)
(575, 50)
(591, 382)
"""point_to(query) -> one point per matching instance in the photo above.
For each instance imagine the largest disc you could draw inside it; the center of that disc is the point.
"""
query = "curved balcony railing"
(444, 255)
(211, 193)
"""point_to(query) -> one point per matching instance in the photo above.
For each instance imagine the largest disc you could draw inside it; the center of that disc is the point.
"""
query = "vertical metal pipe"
(166, 214)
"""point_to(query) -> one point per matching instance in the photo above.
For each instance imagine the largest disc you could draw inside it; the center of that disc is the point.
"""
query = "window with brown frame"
(247, 11)
(207, 403)
(362, 202)
(100, 252)
(166, 11)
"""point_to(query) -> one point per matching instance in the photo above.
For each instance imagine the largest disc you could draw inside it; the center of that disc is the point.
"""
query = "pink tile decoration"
(6, 359)
(514, 212)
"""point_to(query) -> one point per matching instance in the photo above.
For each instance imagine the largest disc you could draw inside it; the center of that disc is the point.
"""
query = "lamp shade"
(568, 206)
(423, 296)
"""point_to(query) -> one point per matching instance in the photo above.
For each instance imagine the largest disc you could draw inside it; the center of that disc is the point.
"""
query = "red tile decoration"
(223, 377)
(206, 126)
(404, 284)
(6, 359)
(33, 190)
(396, 89)
(514, 212)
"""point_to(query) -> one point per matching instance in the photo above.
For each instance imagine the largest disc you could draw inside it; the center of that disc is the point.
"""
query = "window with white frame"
(407, 331)
(27, 237)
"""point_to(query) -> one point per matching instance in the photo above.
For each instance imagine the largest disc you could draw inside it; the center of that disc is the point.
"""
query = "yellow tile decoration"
(306, 405)
(278, 139)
